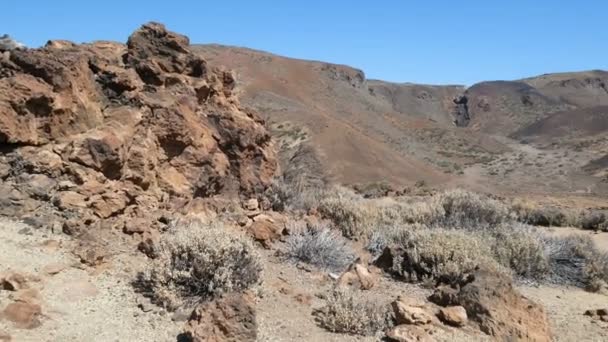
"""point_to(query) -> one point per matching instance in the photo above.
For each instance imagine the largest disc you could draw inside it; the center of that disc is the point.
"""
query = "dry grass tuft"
(350, 313)
(199, 261)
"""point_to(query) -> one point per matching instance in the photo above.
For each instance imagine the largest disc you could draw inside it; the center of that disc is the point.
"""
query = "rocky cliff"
(102, 132)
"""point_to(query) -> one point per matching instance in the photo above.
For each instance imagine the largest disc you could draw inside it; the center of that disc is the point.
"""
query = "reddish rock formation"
(98, 133)
(491, 301)
(230, 318)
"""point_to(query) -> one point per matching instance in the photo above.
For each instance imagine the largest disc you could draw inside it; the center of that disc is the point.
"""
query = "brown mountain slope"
(581, 89)
(366, 130)
(420, 101)
(580, 123)
(502, 107)
(369, 130)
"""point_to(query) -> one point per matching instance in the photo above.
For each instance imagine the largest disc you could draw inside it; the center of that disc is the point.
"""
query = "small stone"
(13, 282)
(69, 199)
(23, 315)
(251, 204)
(245, 221)
(54, 268)
(453, 315)
(253, 213)
(408, 333)
(136, 226)
(357, 275)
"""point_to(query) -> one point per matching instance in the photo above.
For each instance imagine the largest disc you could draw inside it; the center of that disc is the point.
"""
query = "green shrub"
(197, 262)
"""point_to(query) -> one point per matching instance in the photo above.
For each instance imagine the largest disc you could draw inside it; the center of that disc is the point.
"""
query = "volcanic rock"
(120, 123)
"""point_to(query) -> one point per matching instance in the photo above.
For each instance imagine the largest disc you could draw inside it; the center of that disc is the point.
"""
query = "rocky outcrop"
(230, 318)
(96, 133)
(460, 112)
(491, 301)
(8, 44)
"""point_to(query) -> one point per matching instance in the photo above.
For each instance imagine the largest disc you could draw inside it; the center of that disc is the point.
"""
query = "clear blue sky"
(404, 41)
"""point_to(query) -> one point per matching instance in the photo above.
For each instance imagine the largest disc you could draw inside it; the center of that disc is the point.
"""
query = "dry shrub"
(349, 312)
(199, 261)
(385, 236)
(575, 260)
(358, 218)
(320, 246)
(444, 255)
(546, 216)
(284, 196)
(594, 220)
(302, 183)
(520, 249)
(468, 209)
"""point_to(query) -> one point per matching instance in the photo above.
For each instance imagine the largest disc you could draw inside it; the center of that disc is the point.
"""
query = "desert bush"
(198, 261)
(284, 196)
(385, 236)
(319, 246)
(350, 313)
(575, 260)
(520, 248)
(359, 218)
(546, 216)
(595, 220)
(445, 255)
(466, 209)
(303, 181)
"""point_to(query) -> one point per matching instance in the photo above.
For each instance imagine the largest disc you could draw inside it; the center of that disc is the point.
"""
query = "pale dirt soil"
(79, 303)
(99, 304)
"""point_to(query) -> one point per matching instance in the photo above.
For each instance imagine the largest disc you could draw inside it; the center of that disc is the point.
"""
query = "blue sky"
(438, 42)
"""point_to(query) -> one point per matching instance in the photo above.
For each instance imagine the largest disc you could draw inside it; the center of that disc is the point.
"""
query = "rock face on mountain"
(104, 130)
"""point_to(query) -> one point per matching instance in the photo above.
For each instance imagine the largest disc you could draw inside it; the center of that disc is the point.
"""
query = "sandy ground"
(78, 303)
(82, 303)
(291, 294)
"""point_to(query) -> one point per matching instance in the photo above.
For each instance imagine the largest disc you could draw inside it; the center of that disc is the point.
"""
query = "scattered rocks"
(358, 275)
(230, 318)
(598, 314)
(453, 315)
(266, 228)
(405, 313)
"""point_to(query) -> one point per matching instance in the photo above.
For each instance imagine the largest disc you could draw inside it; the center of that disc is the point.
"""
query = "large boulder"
(230, 318)
(491, 301)
(86, 130)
